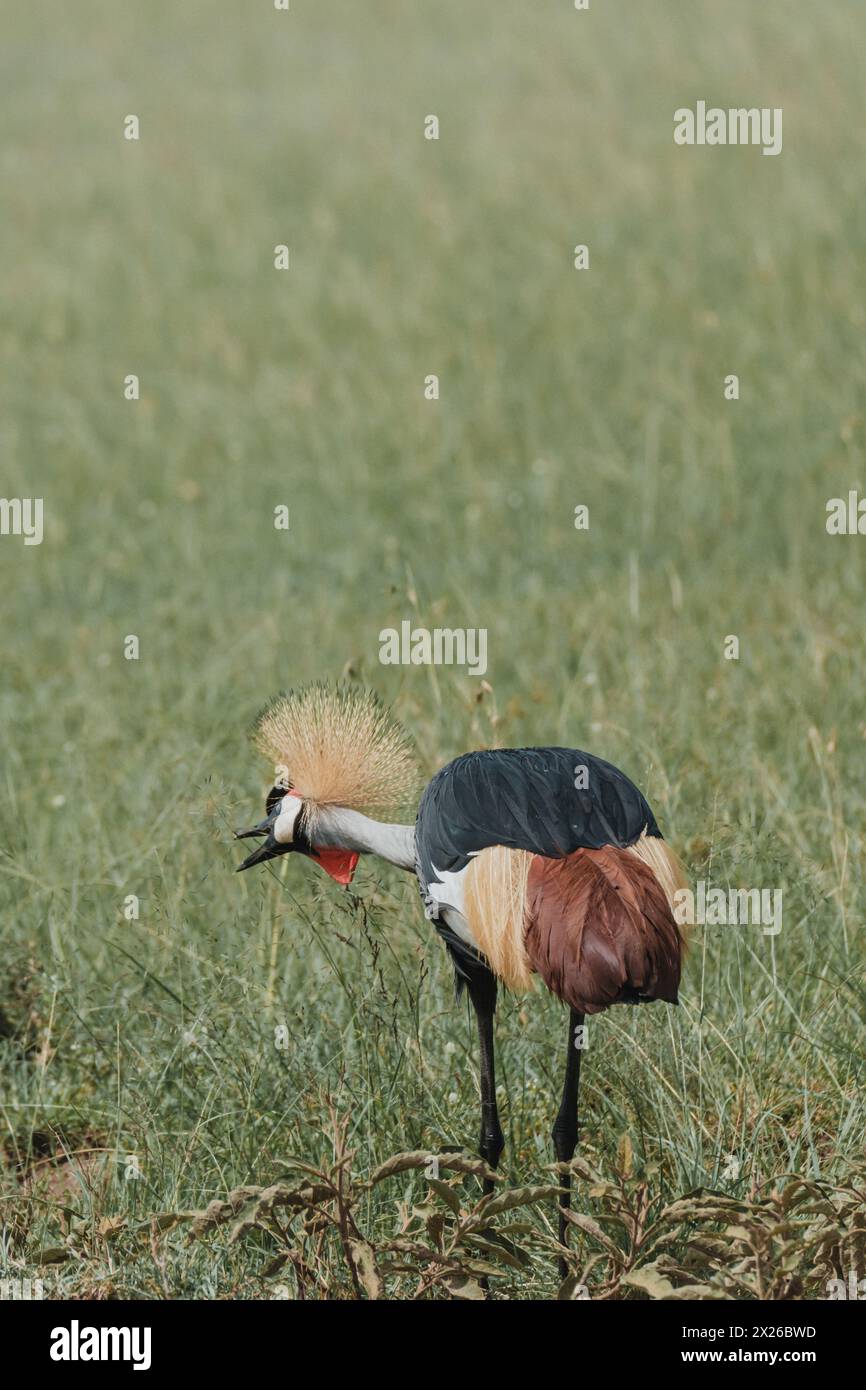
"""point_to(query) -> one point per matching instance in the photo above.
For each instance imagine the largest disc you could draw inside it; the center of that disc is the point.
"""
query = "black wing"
(526, 798)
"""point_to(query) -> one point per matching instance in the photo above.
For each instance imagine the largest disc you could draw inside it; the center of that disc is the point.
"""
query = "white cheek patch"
(284, 825)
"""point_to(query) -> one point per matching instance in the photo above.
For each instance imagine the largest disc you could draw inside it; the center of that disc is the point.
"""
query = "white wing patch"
(447, 891)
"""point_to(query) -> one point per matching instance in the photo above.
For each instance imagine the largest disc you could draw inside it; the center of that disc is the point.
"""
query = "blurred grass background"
(604, 387)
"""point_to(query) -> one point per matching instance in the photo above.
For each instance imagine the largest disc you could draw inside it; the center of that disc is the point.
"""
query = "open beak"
(269, 850)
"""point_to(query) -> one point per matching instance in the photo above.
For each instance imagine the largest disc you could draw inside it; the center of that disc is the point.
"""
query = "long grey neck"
(338, 828)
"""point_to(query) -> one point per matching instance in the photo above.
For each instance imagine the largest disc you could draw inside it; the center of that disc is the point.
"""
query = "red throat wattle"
(339, 863)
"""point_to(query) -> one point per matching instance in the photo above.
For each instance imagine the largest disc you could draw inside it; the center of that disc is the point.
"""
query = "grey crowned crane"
(531, 861)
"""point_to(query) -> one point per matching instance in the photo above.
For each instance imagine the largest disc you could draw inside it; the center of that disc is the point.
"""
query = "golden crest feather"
(338, 745)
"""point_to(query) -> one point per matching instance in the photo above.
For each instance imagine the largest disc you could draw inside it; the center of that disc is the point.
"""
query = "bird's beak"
(262, 828)
(269, 850)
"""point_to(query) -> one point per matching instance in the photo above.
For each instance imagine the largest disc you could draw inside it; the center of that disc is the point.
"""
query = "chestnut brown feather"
(600, 930)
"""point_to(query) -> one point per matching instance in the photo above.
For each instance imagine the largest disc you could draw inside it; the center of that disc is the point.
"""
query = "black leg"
(565, 1126)
(482, 992)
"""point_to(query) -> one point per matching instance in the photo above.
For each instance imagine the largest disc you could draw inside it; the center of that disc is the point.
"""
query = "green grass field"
(148, 1046)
